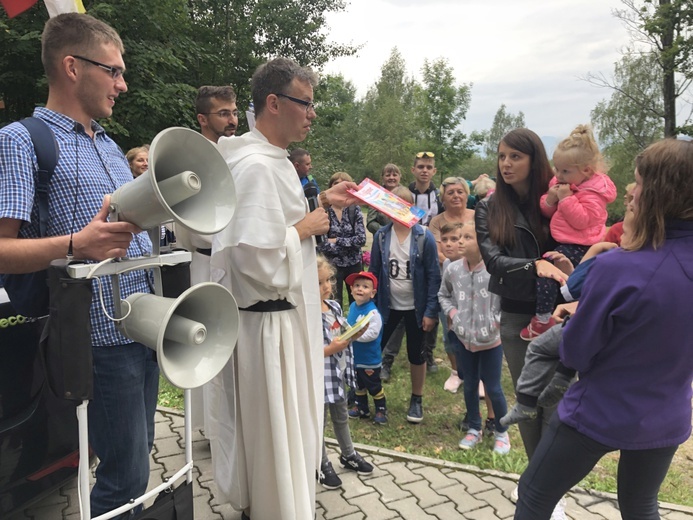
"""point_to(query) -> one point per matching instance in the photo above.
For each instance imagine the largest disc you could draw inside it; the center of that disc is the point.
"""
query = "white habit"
(266, 431)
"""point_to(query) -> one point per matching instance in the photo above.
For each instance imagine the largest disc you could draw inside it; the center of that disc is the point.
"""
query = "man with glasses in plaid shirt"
(83, 61)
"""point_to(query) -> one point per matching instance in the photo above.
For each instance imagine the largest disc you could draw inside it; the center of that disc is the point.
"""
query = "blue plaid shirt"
(87, 170)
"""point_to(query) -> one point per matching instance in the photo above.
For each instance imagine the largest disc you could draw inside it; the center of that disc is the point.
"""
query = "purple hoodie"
(631, 341)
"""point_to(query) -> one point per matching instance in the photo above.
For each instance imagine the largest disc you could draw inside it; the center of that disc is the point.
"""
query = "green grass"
(437, 436)
(170, 396)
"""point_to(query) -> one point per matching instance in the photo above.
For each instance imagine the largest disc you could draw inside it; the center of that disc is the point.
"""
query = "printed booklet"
(386, 202)
(356, 327)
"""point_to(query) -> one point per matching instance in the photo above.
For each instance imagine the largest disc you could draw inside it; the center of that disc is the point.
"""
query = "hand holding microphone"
(316, 222)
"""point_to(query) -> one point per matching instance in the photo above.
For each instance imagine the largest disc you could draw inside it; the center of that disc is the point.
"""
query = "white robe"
(265, 429)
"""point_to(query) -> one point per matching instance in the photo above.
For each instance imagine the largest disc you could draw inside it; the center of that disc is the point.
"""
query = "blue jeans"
(121, 423)
(484, 365)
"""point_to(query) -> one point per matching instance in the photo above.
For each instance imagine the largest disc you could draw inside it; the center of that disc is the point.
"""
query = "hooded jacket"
(580, 219)
(476, 316)
(631, 343)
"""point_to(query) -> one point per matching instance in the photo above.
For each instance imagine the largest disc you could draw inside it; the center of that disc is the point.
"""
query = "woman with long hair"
(513, 236)
(630, 343)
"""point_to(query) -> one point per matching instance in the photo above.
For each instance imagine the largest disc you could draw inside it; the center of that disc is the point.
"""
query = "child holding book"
(339, 369)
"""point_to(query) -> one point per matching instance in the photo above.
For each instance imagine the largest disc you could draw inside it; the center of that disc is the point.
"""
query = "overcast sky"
(528, 54)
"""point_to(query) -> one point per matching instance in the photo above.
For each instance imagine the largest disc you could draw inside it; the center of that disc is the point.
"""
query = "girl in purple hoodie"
(576, 204)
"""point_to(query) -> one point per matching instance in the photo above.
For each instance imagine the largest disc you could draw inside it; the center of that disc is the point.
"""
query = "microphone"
(310, 190)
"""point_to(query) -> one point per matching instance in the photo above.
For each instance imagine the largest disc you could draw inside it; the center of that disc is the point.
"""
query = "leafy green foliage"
(334, 141)
(503, 122)
(445, 107)
(172, 48)
(631, 119)
(665, 27)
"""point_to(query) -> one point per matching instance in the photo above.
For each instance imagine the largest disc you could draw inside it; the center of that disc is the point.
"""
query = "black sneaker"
(355, 412)
(464, 423)
(356, 463)
(415, 413)
(328, 478)
(489, 427)
(385, 373)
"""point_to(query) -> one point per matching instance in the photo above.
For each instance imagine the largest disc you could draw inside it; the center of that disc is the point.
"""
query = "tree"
(445, 107)
(172, 47)
(334, 140)
(632, 118)
(665, 29)
(503, 122)
(389, 127)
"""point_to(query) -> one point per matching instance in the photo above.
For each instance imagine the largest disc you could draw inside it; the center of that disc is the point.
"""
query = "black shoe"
(328, 478)
(385, 373)
(464, 423)
(244, 516)
(489, 428)
(356, 463)
(415, 413)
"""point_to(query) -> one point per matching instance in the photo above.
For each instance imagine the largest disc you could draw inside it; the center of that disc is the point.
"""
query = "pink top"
(581, 218)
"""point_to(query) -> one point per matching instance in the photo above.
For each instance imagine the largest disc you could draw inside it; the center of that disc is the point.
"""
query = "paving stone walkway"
(401, 487)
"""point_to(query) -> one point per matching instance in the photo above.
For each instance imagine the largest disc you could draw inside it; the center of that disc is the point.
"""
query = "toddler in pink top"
(576, 204)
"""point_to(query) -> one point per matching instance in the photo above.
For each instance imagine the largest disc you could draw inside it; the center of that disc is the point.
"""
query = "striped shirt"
(87, 170)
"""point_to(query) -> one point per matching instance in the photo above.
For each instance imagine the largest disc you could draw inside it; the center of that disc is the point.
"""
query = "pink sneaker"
(452, 383)
(536, 328)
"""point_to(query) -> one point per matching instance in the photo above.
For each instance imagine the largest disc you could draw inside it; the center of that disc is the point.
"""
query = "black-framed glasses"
(115, 72)
(427, 155)
(308, 104)
(224, 114)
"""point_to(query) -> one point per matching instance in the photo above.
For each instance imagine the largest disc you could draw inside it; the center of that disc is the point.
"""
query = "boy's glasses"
(115, 72)
(428, 155)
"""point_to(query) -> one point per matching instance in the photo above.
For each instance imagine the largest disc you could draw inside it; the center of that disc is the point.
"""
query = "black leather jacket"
(513, 275)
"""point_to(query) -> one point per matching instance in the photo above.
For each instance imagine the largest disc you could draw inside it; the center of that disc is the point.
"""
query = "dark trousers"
(415, 336)
(565, 456)
(486, 366)
(547, 289)
(340, 276)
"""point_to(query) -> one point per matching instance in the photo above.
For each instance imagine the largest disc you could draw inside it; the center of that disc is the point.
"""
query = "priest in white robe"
(265, 431)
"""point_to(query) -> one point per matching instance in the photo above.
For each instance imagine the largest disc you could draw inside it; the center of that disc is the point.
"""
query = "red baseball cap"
(363, 274)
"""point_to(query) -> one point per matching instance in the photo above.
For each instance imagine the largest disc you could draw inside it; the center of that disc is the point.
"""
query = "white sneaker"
(501, 445)
(514, 496)
(559, 511)
(453, 383)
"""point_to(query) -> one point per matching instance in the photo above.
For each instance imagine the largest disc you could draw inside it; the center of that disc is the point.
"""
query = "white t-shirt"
(399, 271)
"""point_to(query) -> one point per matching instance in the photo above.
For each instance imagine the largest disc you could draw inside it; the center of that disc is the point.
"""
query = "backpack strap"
(351, 213)
(47, 154)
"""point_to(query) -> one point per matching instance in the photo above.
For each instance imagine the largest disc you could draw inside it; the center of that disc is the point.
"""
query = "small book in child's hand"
(386, 202)
(356, 327)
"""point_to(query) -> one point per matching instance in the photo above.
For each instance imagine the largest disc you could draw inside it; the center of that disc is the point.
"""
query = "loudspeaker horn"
(188, 181)
(193, 335)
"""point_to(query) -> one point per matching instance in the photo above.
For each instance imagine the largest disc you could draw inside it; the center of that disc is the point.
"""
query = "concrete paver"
(401, 487)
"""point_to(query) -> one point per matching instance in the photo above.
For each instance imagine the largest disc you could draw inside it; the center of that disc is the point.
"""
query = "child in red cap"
(367, 351)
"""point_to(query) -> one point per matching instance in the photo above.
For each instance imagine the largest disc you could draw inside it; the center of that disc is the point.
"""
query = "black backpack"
(28, 292)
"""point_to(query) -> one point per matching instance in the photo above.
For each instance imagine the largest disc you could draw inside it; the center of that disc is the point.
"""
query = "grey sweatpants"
(515, 349)
(540, 362)
(340, 425)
